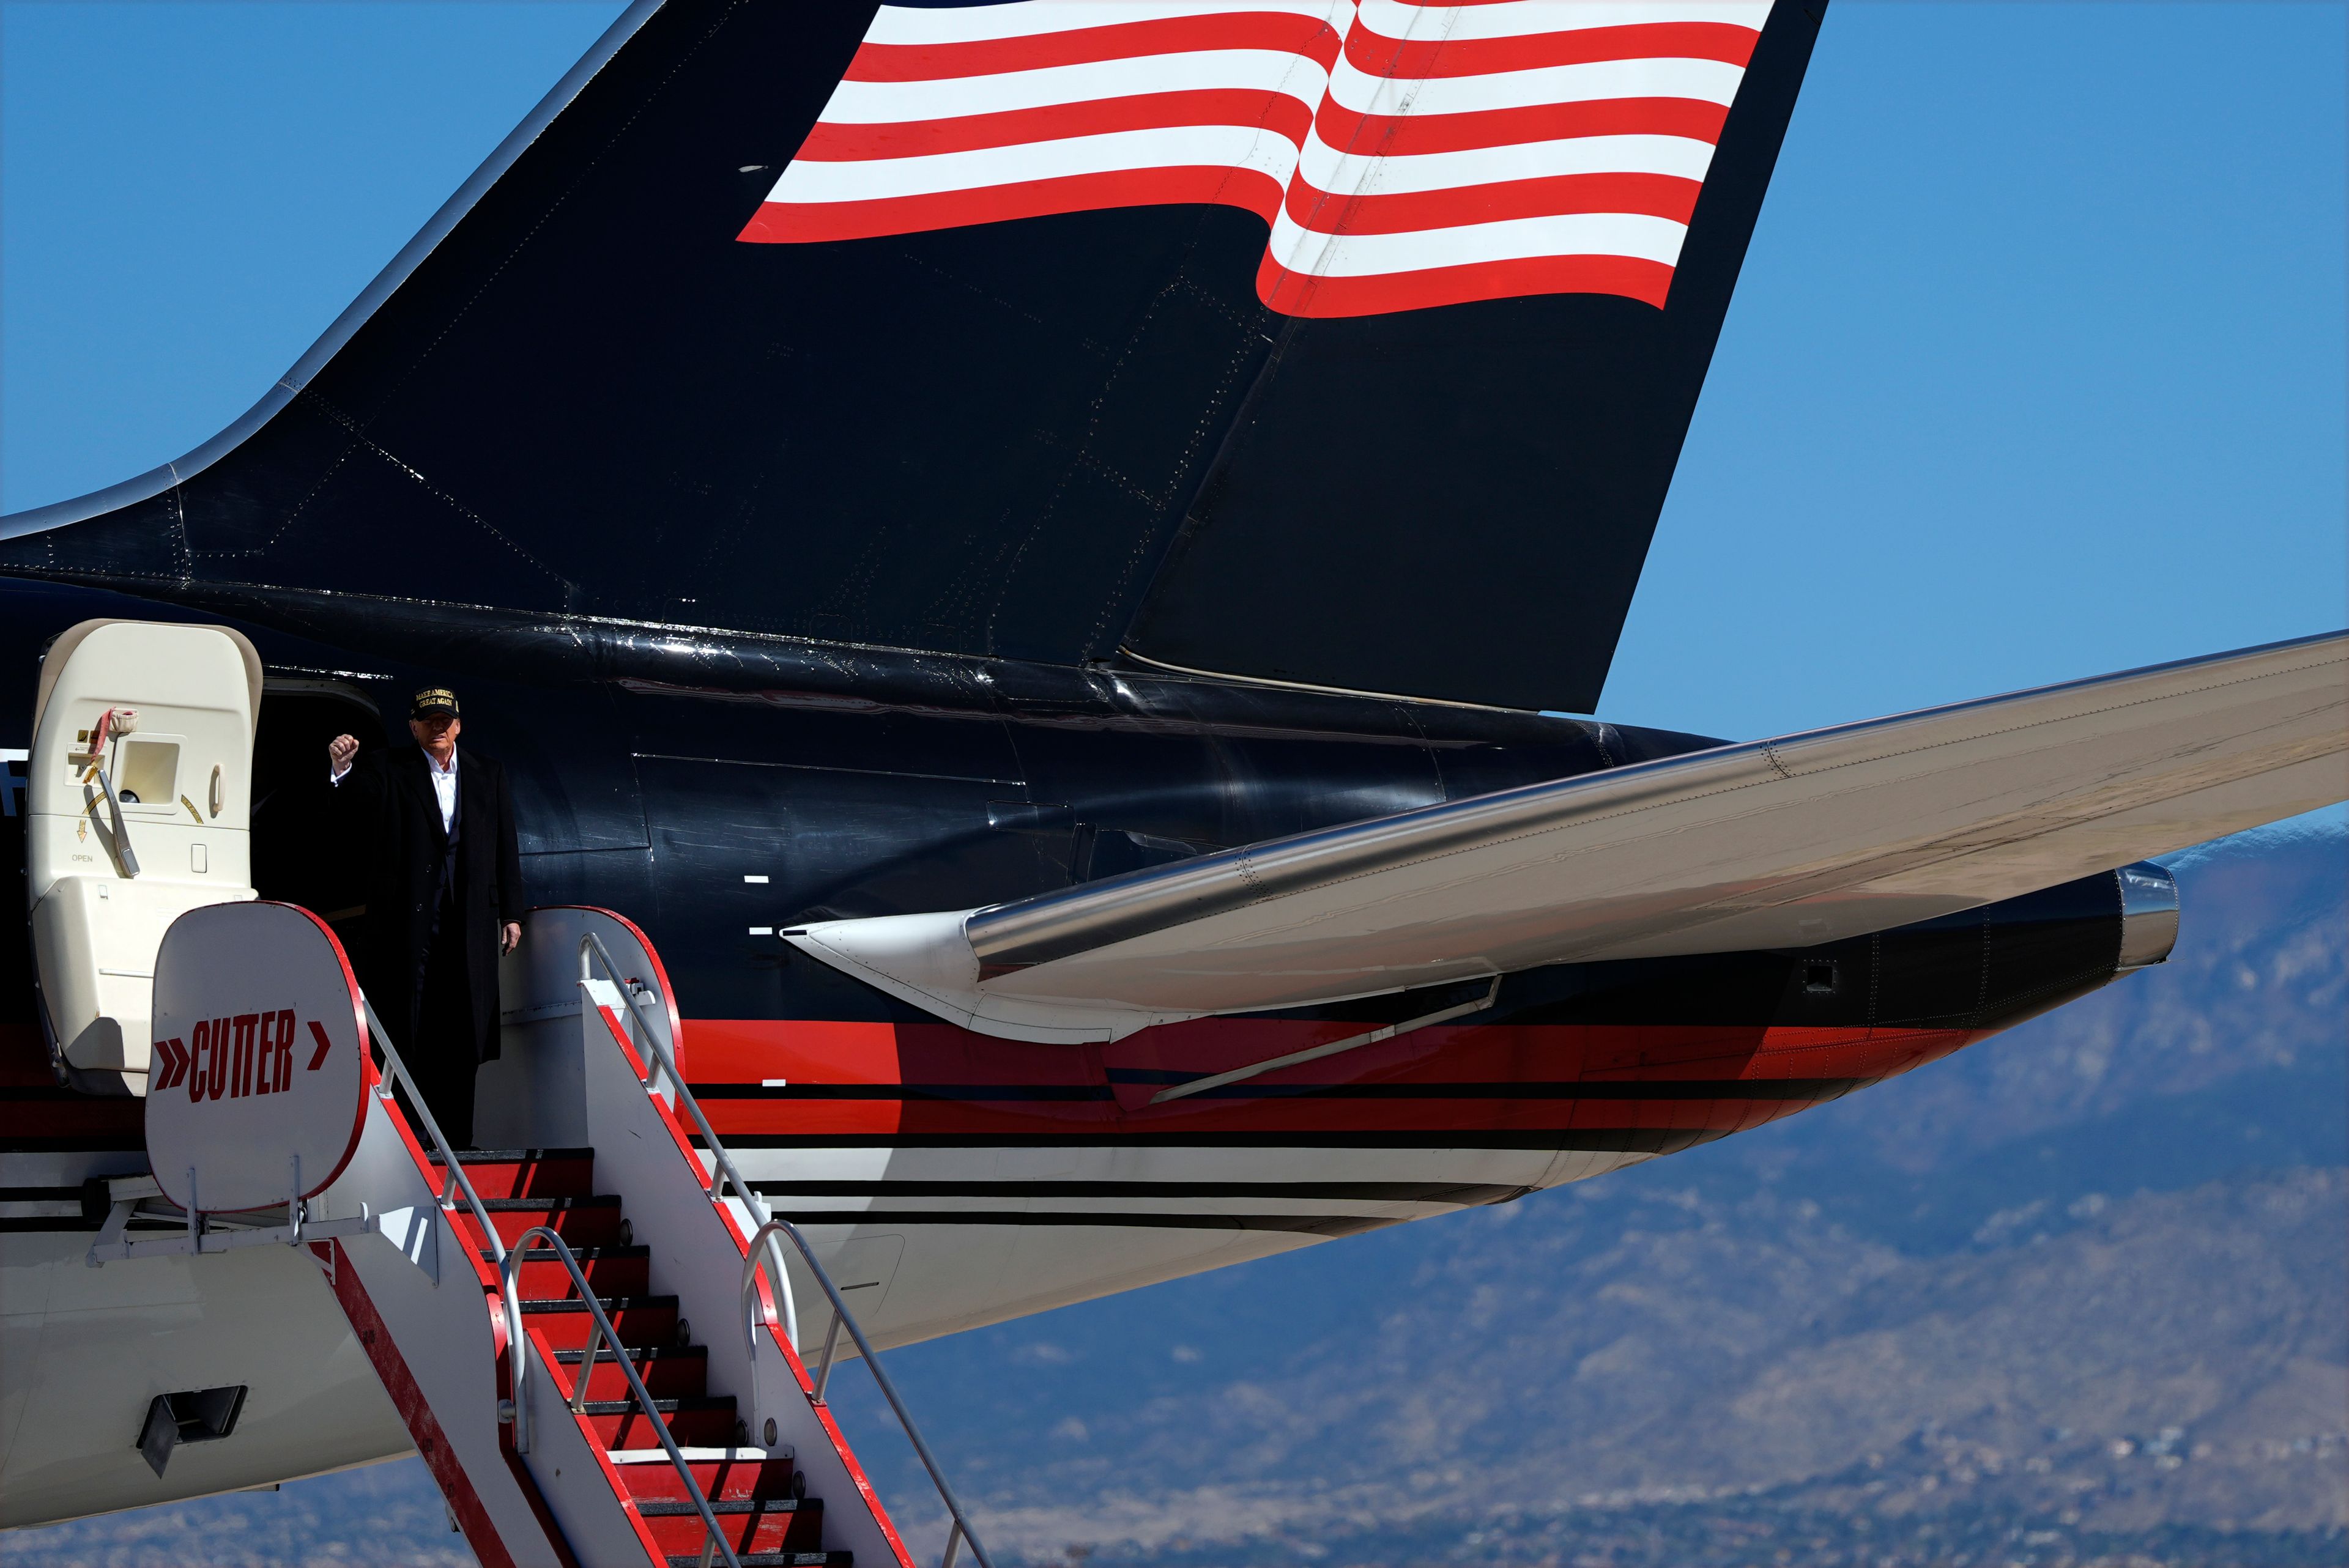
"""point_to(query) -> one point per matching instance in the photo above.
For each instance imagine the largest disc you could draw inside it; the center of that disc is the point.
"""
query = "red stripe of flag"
(831, 142)
(1300, 294)
(1412, 58)
(1335, 213)
(1277, 31)
(1401, 136)
(794, 222)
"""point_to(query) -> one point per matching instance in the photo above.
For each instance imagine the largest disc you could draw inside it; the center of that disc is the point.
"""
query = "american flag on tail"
(1405, 156)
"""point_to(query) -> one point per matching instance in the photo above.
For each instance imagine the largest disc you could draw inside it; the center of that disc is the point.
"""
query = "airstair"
(591, 1336)
(584, 1287)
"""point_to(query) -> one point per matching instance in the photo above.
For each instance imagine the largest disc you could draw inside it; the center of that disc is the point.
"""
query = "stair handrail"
(456, 1171)
(842, 1317)
(723, 1172)
(518, 1365)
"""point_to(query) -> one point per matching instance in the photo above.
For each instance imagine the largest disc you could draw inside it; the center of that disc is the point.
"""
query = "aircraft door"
(137, 810)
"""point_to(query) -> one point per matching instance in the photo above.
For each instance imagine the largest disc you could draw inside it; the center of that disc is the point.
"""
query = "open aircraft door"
(138, 810)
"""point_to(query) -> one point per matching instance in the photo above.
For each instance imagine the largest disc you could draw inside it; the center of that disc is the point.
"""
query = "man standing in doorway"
(444, 898)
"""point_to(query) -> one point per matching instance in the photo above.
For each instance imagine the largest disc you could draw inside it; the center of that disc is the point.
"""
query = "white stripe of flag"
(1520, 147)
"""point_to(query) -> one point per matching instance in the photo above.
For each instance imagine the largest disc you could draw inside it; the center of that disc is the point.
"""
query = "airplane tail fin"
(1344, 346)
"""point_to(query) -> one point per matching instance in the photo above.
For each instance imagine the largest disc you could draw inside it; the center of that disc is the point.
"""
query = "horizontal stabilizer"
(1790, 842)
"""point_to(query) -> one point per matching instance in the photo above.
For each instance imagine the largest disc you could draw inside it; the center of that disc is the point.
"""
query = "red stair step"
(610, 1271)
(636, 1319)
(580, 1222)
(730, 1479)
(669, 1371)
(701, 1421)
(770, 1524)
(759, 1498)
(525, 1172)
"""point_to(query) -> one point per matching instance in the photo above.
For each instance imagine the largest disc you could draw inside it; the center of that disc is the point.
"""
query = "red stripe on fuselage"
(38, 1114)
(931, 1079)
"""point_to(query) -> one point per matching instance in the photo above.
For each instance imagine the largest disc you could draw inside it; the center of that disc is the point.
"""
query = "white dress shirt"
(444, 785)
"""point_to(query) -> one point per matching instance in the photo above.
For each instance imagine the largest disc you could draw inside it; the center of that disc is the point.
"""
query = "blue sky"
(2036, 369)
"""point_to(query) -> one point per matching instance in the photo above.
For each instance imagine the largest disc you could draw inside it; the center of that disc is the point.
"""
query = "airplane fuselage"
(720, 789)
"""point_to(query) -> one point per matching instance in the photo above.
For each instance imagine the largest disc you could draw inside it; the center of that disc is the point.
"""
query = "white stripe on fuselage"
(84, 1363)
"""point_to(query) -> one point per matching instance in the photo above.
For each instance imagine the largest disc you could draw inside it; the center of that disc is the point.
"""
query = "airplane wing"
(1789, 842)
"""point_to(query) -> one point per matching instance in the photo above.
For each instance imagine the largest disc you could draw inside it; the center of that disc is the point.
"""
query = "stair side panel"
(643, 1151)
(436, 1338)
(491, 1538)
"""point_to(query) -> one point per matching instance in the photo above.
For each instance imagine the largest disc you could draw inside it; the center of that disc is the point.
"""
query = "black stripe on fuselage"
(1689, 1088)
(1461, 1193)
(1663, 1089)
(1603, 1140)
(902, 1091)
(1293, 1225)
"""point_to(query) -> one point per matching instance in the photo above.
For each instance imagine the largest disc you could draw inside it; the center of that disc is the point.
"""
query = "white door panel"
(164, 716)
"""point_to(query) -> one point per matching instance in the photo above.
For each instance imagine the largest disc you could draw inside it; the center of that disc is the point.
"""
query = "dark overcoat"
(391, 822)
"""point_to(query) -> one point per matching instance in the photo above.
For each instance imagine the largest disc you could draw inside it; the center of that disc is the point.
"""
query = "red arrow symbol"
(318, 1057)
(175, 1064)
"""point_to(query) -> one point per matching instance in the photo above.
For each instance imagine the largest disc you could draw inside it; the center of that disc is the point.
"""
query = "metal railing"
(600, 1333)
(723, 1173)
(509, 1264)
(843, 1318)
(455, 1172)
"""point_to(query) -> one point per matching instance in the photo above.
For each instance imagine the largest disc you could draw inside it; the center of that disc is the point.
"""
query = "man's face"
(437, 733)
